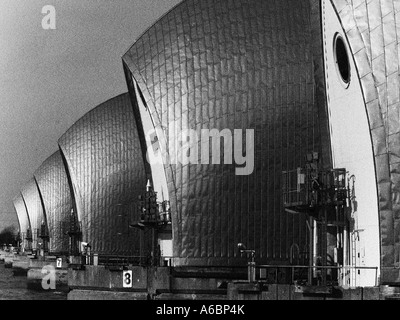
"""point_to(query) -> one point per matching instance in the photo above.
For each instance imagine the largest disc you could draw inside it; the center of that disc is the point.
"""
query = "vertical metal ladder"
(353, 271)
(353, 235)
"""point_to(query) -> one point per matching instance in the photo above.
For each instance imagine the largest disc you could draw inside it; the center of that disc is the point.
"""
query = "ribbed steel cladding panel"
(234, 64)
(372, 29)
(53, 186)
(106, 166)
(30, 194)
(21, 213)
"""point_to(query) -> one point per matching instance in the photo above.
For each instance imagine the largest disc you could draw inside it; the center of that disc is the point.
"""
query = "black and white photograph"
(199, 154)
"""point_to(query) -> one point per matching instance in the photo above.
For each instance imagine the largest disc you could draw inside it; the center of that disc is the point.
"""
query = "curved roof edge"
(154, 23)
(93, 110)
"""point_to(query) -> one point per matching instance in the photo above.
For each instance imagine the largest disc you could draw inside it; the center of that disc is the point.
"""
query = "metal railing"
(273, 274)
(113, 260)
(294, 189)
(121, 260)
(294, 273)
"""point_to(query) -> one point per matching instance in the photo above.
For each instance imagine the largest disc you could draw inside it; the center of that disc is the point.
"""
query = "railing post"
(341, 270)
(95, 259)
(251, 271)
(292, 275)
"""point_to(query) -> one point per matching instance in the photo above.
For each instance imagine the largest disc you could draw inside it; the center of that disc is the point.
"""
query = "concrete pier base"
(20, 265)
(390, 292)
(88, 282)
(2, 256)
(36, 280)
(42, 272)
(100, 282)
(105, 295)
(8, 261)
(263, 291)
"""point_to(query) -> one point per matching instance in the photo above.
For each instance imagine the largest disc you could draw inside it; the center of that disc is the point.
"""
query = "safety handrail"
(293, 267)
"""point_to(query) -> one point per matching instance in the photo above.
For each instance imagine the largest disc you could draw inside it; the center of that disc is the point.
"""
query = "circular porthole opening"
(342, 59)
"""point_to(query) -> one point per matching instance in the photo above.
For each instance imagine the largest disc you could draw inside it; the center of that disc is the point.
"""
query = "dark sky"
(51, 78)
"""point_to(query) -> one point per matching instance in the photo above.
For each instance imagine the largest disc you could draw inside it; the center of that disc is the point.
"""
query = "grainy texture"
(105, 164)
(34, 207)
(237, 64)
(372, 30)
(23, 219)
(54, 189)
